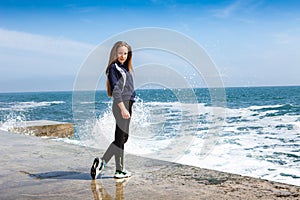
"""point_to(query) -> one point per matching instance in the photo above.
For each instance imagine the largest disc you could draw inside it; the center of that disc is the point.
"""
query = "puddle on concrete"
(99, 189)
(100, 192)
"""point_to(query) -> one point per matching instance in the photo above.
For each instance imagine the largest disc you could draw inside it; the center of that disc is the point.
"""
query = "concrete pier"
(41, 168)
(44, 128)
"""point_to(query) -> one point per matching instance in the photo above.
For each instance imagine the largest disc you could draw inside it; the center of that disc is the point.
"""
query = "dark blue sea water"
(258, 133)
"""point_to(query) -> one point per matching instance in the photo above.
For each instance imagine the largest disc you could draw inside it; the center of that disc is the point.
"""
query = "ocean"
(259, 135)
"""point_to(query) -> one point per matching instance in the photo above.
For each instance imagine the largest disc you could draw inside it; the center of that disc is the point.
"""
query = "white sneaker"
(122, 174)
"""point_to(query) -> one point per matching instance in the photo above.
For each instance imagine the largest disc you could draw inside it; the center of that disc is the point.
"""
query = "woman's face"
(122, 53)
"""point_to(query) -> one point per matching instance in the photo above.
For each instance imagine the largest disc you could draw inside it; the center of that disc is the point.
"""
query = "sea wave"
(246, 134)
(19, 106)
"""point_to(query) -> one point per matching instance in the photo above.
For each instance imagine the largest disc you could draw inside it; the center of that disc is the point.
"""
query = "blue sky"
(252, 42)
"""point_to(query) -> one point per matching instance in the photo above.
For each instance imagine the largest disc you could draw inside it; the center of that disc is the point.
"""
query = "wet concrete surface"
(38, 168)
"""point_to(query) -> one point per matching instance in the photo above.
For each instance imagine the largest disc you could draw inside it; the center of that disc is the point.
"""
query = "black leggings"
(116, 148)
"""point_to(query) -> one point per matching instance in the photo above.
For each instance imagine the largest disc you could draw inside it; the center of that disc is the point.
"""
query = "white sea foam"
(12, 120)
(20, 106)
(16, 112)
(248, 142)
(264, 107)
(87, 102)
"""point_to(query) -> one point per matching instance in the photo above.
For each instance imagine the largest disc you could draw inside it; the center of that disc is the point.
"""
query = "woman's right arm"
(113, 81)
(117, 92)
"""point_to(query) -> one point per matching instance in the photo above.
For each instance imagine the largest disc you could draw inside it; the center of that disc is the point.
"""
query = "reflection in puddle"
(100, 192)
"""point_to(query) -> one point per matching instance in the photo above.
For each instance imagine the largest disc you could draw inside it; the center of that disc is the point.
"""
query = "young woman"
(119, 86)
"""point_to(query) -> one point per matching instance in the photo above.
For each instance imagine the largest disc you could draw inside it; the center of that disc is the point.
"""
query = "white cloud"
(287, 37)
(228, 10)
(245, 6)
(13, 40)
(247, 21)
(30, 61)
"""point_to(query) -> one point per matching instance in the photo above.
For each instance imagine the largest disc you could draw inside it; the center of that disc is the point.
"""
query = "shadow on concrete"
(71, 175)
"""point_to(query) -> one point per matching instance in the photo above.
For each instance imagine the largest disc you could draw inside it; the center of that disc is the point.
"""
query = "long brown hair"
(113, 57)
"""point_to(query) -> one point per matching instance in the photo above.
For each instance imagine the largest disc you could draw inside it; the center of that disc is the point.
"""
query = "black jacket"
(121, 91)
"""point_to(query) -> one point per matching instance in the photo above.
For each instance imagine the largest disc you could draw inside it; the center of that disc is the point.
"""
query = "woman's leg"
(121, 135)
(116, 148)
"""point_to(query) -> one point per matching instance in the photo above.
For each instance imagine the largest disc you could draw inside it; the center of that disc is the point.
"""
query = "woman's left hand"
(125, 114)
